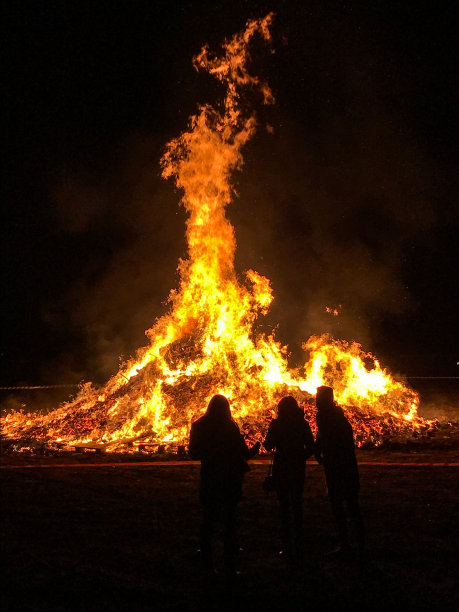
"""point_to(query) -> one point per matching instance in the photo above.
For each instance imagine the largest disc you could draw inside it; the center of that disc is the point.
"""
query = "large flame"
(206, 343)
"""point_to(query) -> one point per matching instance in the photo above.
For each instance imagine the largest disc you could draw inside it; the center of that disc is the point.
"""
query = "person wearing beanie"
(335, 449)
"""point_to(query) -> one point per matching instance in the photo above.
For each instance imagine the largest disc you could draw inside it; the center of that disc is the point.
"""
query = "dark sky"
(353, 200)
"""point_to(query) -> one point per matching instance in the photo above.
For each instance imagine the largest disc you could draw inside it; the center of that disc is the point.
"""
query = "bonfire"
(207, 343)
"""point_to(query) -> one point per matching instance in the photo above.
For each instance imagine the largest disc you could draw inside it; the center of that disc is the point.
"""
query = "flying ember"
(206, 343)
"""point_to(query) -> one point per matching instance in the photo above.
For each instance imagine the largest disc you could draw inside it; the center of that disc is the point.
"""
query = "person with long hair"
(290, 436)
(335, 449)
(216, 441)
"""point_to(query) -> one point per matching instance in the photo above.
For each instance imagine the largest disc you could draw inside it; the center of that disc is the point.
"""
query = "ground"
(125, 538)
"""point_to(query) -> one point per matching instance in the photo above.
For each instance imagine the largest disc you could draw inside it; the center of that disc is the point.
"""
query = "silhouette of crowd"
(215, 440)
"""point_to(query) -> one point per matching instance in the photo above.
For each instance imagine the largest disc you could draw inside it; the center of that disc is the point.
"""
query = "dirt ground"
(125, 538)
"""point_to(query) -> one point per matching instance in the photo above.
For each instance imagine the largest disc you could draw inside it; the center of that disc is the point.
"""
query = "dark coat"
(293, 442)
(336, 450)
(223, 453)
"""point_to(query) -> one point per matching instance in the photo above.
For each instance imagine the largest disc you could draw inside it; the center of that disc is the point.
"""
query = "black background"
(352, 201)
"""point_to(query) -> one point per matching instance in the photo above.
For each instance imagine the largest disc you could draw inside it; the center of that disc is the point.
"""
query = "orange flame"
(206, 343)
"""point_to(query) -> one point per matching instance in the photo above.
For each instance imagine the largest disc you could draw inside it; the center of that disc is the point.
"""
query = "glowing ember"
(206, 343)
(332, 311)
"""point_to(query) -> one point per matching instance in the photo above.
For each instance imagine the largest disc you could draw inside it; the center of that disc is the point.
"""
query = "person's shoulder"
(198, 423)
(273, 431)
(232, 429)
(342, 416)
(347, 422)
(274, 425)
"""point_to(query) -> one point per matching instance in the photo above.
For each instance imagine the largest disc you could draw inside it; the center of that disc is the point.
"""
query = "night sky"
(352, 201)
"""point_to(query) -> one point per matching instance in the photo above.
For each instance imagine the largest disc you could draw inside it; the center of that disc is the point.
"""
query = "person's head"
(219, 408)
(288, 409)
(324, 398)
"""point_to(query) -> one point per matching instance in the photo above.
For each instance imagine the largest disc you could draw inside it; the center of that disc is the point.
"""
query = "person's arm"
(254, 450)
(270, 442)
(309, 446)
(350, 435)
(318, 451)
(194, 446)
(247, 452)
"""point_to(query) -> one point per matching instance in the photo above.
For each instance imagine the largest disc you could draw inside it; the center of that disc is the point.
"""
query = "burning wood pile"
(206, 343)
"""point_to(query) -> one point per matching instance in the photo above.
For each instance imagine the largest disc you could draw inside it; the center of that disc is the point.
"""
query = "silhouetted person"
(291, 438)
(336, 450)
(215, 439)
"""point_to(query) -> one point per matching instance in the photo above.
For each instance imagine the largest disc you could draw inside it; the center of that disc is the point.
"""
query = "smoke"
(133, 229)
(333, 202)
(333, 231)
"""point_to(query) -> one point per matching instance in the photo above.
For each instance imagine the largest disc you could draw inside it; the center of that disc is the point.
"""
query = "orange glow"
(206, 343)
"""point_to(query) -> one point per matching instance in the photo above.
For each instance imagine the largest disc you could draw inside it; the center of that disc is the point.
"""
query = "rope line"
(433, 377)
(40, 387)
(188, 463)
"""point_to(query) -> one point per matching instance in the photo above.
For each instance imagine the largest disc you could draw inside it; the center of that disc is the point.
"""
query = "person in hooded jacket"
(335, 449)
(216, 441)
(290, 436)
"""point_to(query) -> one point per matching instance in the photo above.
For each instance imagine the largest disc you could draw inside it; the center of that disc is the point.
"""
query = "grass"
(125, 538)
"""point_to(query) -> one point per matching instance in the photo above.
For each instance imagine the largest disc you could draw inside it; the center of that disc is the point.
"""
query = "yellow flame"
(205, 343)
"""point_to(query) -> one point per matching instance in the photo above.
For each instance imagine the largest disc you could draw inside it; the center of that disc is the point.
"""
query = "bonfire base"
(444, 436)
